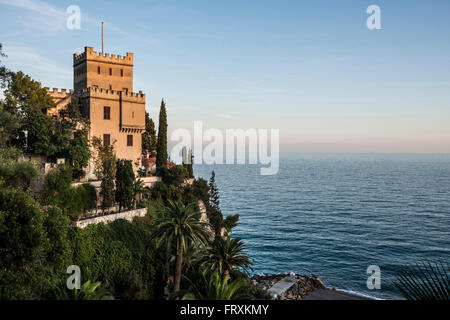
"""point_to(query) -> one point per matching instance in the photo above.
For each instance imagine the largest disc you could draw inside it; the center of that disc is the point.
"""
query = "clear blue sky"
(310, 68)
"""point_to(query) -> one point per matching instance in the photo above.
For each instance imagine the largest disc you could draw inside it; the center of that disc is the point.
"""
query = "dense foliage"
(58, 191)
(141, 259)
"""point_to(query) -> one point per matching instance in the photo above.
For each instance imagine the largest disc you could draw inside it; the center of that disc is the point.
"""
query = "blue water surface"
(335, 214)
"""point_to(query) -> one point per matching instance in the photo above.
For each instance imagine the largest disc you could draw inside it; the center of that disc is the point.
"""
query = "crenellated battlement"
(90, 55)
(55, 93)
(113, 94)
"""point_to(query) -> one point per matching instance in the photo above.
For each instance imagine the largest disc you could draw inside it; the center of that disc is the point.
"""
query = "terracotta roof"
(152, 160)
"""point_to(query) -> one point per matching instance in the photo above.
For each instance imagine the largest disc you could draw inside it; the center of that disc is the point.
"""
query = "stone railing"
(127, 215)
(149, 182)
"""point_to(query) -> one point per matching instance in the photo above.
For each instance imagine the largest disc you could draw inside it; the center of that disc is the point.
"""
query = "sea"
(334, 215)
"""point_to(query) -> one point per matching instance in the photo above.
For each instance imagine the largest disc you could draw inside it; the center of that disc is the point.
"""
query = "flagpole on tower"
(102, 37)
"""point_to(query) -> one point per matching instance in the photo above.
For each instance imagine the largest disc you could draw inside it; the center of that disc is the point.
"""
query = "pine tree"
(149, 136)
(161, 146)
(214, 192)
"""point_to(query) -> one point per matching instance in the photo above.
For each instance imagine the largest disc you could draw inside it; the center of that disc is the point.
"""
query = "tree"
(22, 92)
(88, 291)
(180, 224)
(426, 281)
(22, 235)
(105, 170)
(16, 173)
(138, 189)
(35, 132)
(8, 126)
(72, 137)
(107, 184)
(230, 222)
(212, 287)
(58, 191)
(161, 146)
(212, 207)
(227, 254)
(24, 272)
(27, 101)
(57, 226)
(4, 72)
(188, 161)
(149, 136)
(191, 164)
(124, 184)
(102, 154)
(79, 153)
(214, 192)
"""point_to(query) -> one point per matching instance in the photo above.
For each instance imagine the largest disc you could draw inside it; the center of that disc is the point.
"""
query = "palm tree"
(88, 291)
(180, 225)
(227, 254)
(425, 281)
(211, 287)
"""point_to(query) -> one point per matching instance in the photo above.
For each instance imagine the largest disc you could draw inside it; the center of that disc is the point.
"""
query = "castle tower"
(92, 69)
(104, 85)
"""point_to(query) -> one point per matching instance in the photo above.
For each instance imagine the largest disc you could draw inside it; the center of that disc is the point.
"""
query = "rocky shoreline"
(303, 285)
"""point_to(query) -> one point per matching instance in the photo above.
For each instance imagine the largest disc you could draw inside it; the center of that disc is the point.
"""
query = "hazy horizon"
(311, 69)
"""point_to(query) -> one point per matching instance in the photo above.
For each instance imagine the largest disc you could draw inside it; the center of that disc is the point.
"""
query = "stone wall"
(127, 215)
(149, 182)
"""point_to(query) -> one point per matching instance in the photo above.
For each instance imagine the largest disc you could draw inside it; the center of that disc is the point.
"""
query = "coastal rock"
(303, 285)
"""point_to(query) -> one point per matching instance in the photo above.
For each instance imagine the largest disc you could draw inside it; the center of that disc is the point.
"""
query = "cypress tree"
(107, 185)
(149, 136)
(191, 164)
(124, 184)
(161, 145)
(214, 192)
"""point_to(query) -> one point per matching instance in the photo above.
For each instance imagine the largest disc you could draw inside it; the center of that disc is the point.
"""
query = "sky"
(311, 69)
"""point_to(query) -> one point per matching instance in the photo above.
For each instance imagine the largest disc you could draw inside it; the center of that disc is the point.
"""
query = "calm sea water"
(334, 215)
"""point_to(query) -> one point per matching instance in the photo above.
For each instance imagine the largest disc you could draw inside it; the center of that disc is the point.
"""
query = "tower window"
(121, 72)
(98, 70)
(110, 71)
(132, 114)
(130, 140)
(107, 113)
(106, 139)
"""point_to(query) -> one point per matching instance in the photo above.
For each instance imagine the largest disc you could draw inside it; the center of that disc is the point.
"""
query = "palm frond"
(424, 281)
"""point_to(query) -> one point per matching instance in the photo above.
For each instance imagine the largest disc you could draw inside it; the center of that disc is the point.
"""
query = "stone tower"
(102, 71)
(104, 85)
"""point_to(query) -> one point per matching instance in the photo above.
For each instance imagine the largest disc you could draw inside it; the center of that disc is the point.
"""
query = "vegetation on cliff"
(157, 256)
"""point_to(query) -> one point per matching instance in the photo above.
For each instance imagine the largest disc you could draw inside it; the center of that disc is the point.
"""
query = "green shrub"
(123, 257)
(73, 201)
